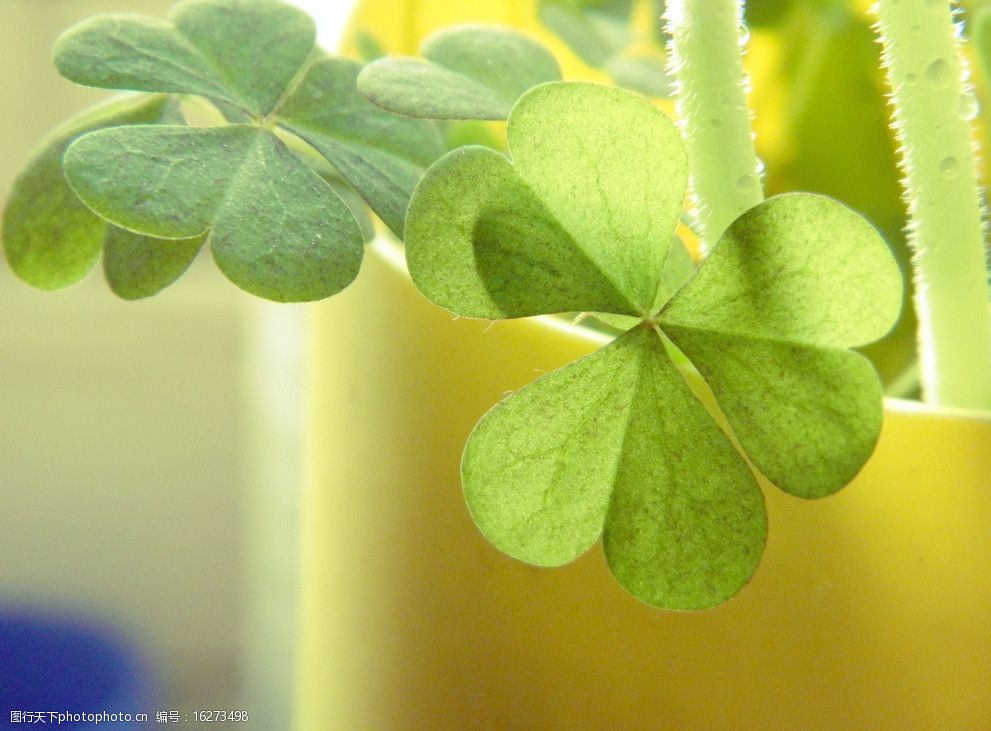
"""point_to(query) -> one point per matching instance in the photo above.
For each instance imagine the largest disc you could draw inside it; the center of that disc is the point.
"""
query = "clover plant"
(739, 364)
(274, 226)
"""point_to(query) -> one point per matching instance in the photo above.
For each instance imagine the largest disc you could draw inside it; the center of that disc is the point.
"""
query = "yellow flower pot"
(870, 609)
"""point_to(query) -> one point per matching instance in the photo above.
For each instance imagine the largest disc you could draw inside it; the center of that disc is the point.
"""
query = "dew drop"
(760, 166)
(910, 79)
(744, 35)
(716, 122)
(949, 167)
(968, 106)
(745, 183)
(938, 73)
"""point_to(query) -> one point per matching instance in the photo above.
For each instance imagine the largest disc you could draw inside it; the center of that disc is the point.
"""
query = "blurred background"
(150, 452)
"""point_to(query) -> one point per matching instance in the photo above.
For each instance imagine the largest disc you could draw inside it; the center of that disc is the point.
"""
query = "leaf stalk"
(932, 111)
(711, 88)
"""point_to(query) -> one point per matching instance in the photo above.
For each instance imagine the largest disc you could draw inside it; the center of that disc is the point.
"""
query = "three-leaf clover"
(617, 445)
(275, 226)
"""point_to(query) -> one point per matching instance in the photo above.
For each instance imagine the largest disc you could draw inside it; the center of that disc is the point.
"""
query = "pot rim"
(391, 251)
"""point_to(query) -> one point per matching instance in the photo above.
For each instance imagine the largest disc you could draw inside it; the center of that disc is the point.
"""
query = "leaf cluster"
(277, 189)
(580, 216)
(617, 445)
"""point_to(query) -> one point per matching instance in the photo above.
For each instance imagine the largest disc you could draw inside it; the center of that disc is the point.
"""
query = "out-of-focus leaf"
(461, 133)
(469, 72)
(241, 52)
(275, 227)
(137, 266)
(644, 74)
(369, 47)
(382, 155)
(51, 239)
(596, 32)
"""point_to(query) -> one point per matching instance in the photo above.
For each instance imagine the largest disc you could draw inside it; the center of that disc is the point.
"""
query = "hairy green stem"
(932, 109)
(712, 109)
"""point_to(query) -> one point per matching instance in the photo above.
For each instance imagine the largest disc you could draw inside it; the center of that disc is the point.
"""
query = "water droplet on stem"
(938, 73)
(968, 106)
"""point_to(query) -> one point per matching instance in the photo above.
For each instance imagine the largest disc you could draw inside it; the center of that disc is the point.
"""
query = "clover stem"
(932, 108)
(705, 59)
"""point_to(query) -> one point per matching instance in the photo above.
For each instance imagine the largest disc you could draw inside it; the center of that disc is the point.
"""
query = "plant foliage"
(275, 226)
(52, 240)
(616, 444)
(579, 217)
(468, 72)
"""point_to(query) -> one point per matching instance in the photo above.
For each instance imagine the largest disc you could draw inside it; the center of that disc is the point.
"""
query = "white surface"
(331, 16)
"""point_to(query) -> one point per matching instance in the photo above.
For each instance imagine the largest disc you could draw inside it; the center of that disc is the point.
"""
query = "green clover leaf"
(618, 445)
(275, 226)
(140, 266)
(569, 142)
(245, 53)
(469, 72)
(767, 320)
(381, 154)
(52, 240)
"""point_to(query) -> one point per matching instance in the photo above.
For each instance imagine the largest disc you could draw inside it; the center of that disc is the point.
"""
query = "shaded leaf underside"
(491, 247)
(383, 156)
(582, 219)
(139, 266)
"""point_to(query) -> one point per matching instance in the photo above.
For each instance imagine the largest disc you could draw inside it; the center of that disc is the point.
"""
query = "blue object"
(53, 662)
